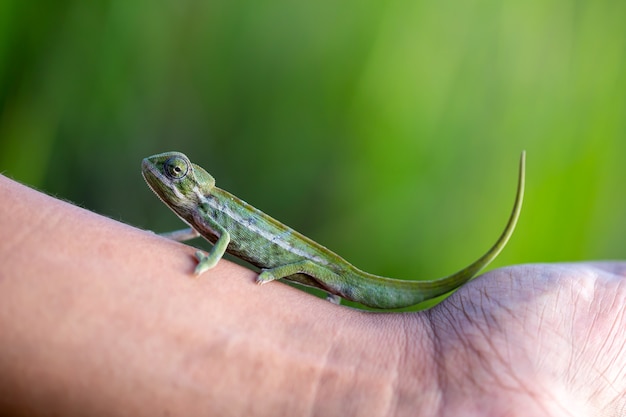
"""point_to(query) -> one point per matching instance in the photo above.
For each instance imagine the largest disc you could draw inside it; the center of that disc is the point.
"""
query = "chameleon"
(280, 252)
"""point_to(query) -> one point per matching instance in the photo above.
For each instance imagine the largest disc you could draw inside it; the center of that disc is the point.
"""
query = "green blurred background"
(389, 131)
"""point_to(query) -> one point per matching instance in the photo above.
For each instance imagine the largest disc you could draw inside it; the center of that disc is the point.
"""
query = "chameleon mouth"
(163, 186)
(153, 178)
(149, 173)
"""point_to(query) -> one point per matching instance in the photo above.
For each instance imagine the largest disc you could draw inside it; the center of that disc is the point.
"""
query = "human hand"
(534, 340)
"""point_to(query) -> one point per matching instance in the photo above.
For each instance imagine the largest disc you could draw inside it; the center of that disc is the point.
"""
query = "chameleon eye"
(176, 167)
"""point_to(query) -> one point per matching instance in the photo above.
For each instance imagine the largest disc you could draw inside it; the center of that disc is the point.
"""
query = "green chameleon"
(236, 227)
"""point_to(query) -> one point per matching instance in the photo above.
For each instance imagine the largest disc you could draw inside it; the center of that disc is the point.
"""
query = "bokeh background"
(389, 131)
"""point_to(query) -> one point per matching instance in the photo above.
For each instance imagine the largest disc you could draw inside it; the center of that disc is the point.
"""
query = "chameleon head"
(176, 181)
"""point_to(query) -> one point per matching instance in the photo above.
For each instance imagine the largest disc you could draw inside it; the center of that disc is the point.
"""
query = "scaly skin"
(236, 227)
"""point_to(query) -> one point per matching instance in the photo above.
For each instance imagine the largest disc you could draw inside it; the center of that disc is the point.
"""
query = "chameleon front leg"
(205, 261)
(208, 261)
(322, 275)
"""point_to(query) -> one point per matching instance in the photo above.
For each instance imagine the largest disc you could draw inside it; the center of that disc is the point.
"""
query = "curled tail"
(382, 292)
(464, 275)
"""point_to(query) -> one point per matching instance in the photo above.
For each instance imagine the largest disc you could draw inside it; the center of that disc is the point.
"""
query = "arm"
(99, 318)
(86, 329)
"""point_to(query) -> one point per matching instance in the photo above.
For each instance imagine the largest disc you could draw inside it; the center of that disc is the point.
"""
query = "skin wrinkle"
(330, 369)
(443, 314)
(448, 314)
(572, 331)
(617, 407)
(442, 382)
(392, 400)
(603, 376)
(595, 323)
(588, 339)
(315, 386)
(434, 347)
(265, 366)
(550, 394)
(409, 338)
(578, 350)
(615, 328)
(610, 365)
(622, 348)
(486, 356)
(550, 307)
(359, 374)
(490, 320)
(608, 342)
(538, 333)
(494, 349)
(506, 360)
(619, 402)
(417, 357)
(444, 350)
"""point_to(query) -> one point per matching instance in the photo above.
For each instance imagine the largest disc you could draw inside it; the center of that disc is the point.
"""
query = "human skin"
(99, 318)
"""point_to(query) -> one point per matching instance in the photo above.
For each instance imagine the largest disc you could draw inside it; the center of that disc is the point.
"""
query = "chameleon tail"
(392, 293)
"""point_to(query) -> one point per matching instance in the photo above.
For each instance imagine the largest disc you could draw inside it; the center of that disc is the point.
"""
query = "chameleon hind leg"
(323, 277)
(333, 298)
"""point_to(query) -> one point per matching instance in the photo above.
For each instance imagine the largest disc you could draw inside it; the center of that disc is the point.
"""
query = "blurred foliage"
(387, 130)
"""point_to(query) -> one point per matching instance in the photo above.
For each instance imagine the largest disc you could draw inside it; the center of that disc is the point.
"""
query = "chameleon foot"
(264, 277)
(205, 262)
(334, 299)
